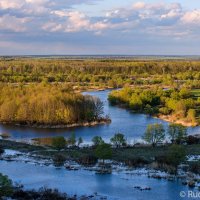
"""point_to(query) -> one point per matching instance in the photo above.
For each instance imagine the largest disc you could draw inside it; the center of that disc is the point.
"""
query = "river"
(115, 186)
(131, 125)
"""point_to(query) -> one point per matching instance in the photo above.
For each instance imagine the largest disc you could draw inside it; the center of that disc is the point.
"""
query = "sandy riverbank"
(173, 119)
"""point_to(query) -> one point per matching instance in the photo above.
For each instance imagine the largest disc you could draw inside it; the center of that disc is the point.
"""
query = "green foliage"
(177, 133)
(164, 111)
(118, 140)
(97, 140)
(154, 134)
(72, 140)
(176, 155)
(180, 104)
(59, 159)
(191, 116)
(103, 151)
(135, 103)
(6, 187)
(59, 142)
(47, 105)
(98, 72)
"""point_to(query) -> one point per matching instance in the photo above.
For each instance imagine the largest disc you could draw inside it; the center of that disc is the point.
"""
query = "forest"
(100, 72)
(44, 104)
(180, 104)
(47, 90)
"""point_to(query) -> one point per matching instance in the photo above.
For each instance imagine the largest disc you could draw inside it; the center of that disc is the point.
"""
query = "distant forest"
(112, 73)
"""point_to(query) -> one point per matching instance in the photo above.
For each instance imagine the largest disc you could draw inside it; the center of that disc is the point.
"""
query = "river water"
(131, 125)
(114, 186)
(118, 186)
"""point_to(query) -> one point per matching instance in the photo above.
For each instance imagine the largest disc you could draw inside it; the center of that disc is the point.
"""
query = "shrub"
(176, 155)
(6, 187)
(136, 162)
(195, 167)
(1, 150)
(118, 140)
(97, 140)
(88, 160)
(59, 159)
(43, 194)
(103, 151)
(192, 140)
(59, 142)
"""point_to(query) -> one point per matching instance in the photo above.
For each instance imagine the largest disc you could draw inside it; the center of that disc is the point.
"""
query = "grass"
(121, 154)
(196, 93)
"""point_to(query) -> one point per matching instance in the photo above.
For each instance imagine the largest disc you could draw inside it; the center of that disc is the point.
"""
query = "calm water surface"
(132, 125)
(115, 186)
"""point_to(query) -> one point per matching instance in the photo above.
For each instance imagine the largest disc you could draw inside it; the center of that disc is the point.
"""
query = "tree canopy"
(154, 134)
(118, 140)
(103, 151)
(47, 105)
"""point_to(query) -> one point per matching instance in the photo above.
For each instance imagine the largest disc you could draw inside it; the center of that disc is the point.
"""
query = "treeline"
(47, 105)
(113, 73)
(181, 103)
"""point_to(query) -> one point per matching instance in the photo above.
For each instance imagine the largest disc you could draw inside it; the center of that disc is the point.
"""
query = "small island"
(49, 106)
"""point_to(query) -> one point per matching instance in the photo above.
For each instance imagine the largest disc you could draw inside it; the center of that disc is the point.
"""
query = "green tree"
(154, 134)
(59, 142)
(177, 133)
(72, 139)
(97, 140)
(6, 187)
(191, 116)
(135, 103)
(118, 140)
(180, 109)
(103, 151)
(176, 155)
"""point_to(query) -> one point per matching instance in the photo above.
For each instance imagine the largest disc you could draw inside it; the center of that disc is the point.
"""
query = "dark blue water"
(115, 186)
(132, 125)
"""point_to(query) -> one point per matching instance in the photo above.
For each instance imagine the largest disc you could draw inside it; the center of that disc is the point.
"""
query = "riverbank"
(173, 119)
(169, 105)
(101, 121)
(132, 156)
(146, 152)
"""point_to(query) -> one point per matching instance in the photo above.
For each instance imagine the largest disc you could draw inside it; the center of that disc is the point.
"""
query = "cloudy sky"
(130, 27)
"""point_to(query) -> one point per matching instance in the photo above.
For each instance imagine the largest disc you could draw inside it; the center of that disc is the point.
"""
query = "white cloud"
(13, 23)
(49, 18)
(73, 21)
(38, 2)
(11, 4)
(139, 5)
(191, 17)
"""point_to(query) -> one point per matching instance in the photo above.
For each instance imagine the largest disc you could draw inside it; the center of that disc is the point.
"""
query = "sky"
(96, 27)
